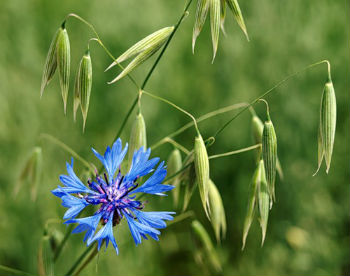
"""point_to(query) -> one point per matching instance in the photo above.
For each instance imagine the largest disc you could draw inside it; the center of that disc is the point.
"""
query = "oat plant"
(117, 190)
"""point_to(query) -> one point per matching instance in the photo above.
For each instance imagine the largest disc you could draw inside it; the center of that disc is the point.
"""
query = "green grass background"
(285, 37)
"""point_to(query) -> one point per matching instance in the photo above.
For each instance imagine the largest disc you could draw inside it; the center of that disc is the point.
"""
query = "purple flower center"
(113, 197)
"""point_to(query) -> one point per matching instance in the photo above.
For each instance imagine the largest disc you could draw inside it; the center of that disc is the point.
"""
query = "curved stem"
(97, 39)
(267, 108)
(177, 145)
(269, 91)
(67, 149)
(199, 119)
(175, 106)
(234, 152)
(181, 217)
(166, 44)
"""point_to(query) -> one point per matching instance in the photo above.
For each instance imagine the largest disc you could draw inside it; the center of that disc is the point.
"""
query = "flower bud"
(50, 63)
(201, 164)
(217, 211)
(252, 202)
(84, 85)
(328, 118)
(174, 164)
(138, 137)
(63, 63)
(264, 201)
(269, 155)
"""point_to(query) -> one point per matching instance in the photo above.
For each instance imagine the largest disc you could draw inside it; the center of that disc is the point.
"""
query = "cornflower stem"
(97, 39)
(181, 217)
(80, 259)
(87, 261)
(199, 119)
(14, 271)
(271, 90)
(175, 106)
(67, 149)
(63, 242)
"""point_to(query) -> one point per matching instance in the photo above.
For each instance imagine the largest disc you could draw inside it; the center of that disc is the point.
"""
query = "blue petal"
(140, 165)
(139, 230)
(61, 191)
(153, 219)
(105, 233)
(72, 182)
(112, 157)
(88, 224)
(153, 184)
(75, 205)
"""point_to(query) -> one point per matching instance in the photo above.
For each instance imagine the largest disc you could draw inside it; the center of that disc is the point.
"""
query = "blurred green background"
(308, 231)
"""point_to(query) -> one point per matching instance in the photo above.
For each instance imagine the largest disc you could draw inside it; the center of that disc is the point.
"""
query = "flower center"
(113, 197)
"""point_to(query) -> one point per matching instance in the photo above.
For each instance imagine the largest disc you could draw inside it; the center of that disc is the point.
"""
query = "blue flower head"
(115, 196)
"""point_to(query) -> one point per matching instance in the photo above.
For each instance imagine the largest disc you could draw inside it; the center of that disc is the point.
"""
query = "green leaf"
(222, 15)
(50, 63)
(63, 63)
(236, 10)
(205, 240)
(31, 173)
(264, 201)
(154, 40)
(188, 180)
(201, 15)
(269, 154)
(201, 164)
(138, 60)
(328, 119)
(138, 137)
(217, 211)
(174, 164)
(215, 22)
(251, 203)
(85, 84)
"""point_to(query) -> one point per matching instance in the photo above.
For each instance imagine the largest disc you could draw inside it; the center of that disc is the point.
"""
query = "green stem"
(67, 149)
(79, 260)
(178, 172)
(269, 91)
(181, 217)
(87, 261)
(267, 108)
(200, 119)
(166, 45)
(234, 152)
(14, 271)
(175, 106)
(63, 242)
(151, 71)
(101, 43)
(176, 145)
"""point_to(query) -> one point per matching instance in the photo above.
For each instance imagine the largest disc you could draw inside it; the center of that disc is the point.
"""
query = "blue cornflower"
(114, 193)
